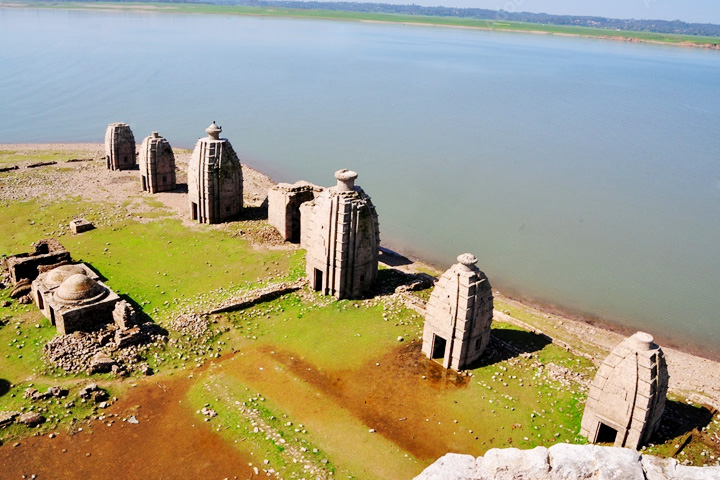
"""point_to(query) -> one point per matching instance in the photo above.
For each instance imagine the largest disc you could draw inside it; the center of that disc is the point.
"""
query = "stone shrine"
(72, 298)
(627, 396)
(341, 234)
(284, 202)
(458, 315)
(120, 147)
(157, 164)
(214, 179)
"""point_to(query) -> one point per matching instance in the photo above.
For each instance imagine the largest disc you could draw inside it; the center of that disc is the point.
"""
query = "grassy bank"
(687, 40)
(302, 383)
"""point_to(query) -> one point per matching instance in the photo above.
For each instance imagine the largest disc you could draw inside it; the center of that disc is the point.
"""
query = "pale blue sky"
(699, 11)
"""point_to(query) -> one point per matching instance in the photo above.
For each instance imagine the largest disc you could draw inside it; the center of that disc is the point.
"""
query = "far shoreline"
(382, 18)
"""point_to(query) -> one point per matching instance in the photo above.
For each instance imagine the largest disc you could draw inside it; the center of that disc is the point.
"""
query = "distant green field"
(393, 18)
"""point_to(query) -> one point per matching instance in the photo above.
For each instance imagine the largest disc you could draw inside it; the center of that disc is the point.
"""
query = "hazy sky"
(700, 11)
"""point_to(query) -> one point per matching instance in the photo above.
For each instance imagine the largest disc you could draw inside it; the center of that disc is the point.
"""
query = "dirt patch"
(388, 397)
(168, 442)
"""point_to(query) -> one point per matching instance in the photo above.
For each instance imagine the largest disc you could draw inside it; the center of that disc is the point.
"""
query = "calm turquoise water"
(581, 172)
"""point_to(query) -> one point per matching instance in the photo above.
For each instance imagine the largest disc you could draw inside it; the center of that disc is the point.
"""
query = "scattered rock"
(21, 289)
(31, 419)
(125, 337)
(101, 363)
(208, 412)
(7, 418)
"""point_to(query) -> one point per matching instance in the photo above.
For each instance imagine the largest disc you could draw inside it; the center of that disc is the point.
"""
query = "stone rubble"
(97, 351)
(563, 462)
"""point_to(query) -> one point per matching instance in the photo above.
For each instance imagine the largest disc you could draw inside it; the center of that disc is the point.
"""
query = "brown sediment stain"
(392, 398)
(168, 442)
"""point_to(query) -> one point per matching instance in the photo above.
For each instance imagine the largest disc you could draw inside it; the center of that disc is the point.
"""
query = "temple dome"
(58, 275)
(79, 288)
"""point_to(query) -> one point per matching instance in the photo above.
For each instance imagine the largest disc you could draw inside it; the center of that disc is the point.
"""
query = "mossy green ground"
(336, 367)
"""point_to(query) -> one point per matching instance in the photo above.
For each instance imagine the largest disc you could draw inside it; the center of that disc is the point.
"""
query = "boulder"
(31, 419)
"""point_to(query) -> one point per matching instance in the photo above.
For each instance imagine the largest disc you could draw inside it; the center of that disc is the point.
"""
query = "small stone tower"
(157, 164)
(120, 147)
(215, 184)
(341, 234)
(458, 315)
(627, 396)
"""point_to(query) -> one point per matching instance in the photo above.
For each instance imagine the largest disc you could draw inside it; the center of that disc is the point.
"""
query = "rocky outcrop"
(563, 462)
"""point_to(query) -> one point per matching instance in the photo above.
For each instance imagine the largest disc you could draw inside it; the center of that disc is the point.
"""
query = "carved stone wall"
(120, 147)
(341, 234)
(458, 315)
(157, 164)
(627, 396)
(215, 185)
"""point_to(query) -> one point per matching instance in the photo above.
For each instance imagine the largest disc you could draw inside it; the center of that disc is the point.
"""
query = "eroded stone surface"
(563, 462)
(627, 397)
(120, 147)
(73, 298)
(27, 266)
(284, 202)
(157, 164)
(215, 188)
(458, 315)
(340, 231)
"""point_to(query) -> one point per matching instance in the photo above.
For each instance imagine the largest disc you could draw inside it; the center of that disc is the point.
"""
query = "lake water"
(580, 172)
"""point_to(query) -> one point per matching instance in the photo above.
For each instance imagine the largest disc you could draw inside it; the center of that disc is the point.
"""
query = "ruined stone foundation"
(458, 315)
(120, 147)
(214, 179)
(340, 231)
(627, 396)
(157, 164)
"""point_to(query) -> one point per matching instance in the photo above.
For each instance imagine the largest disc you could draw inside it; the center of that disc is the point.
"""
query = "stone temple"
(341, 234)
(73, 298)
(627, 396)
(284, 202)
(458, 315)
(157, 164)
(120, 147)
(214, 179)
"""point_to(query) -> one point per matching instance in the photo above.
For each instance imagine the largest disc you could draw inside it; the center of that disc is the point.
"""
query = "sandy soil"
(692, 376)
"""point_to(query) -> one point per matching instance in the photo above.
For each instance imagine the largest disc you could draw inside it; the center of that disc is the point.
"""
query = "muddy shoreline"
(695, 374)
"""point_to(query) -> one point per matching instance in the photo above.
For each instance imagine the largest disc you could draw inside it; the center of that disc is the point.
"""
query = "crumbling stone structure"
(627, 396)
(120, 147)
(341, 234)
(458, 315)
(157, 164)
(214, 179)
(73, 298)
(27, 266)
(80, 225)
(284, 202)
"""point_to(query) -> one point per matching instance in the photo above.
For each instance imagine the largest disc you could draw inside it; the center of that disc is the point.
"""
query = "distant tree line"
(632, 25)
(655, 26)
